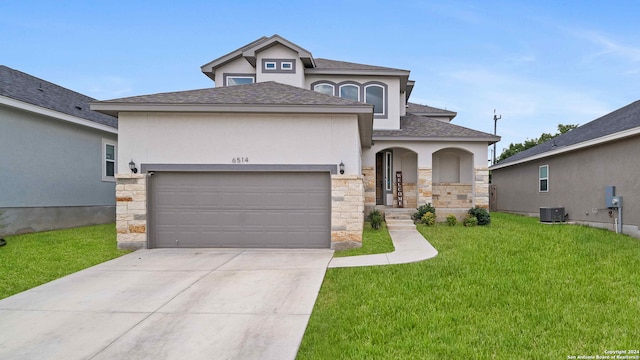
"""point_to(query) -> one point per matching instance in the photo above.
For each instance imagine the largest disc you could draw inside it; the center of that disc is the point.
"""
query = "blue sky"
(538, 63)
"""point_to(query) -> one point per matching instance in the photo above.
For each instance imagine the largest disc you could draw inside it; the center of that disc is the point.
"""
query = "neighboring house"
(287, 150)
(573, 171)
(57, 157)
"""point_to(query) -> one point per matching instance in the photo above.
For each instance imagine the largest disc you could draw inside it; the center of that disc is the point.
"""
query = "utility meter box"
(616, 201)
(609, 193)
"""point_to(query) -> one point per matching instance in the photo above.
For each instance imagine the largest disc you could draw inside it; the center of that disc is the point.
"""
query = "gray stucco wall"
(577, 182)
(48, 163)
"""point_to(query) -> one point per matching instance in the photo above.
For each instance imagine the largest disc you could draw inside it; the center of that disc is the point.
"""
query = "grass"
(515, 289)
(373, 242)
(34, 259)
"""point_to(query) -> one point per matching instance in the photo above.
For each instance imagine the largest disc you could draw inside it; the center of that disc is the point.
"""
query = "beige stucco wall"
(239, 66)
(426, 149)
(280, 52)
(201, 138)
(392, 120)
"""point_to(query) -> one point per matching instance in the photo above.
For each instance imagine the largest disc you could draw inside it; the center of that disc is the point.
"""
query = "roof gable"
(618, 121)
(29, 89)
(249, 51)
(425, 110)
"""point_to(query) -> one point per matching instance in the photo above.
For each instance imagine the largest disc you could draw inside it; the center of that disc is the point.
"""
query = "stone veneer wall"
(347, 211)
(425, 187)
(452, 195)
(482, 187)
(131, 211)
(369, 179)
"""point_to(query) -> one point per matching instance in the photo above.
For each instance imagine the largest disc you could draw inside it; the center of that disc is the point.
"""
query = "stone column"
(369, 178)
(131, 211)
(425, 186)
(347, 211)
(482, 187)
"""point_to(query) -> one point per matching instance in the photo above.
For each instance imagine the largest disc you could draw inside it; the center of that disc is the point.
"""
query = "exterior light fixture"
(132, 167)
(341, 167)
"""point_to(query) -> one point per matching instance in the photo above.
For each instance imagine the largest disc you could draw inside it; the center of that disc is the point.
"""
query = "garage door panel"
(241, 210)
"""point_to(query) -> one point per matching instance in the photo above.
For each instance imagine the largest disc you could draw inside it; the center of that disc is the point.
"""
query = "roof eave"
(372, 72)
(56, 114)
(581, 145)
(489, 140)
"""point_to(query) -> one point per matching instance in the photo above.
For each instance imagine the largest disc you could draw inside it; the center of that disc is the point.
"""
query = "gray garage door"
(240, 209)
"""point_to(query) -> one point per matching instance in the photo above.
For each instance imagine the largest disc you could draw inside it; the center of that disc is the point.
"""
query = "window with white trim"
(327, 89)
(109, 158)
(543, 178)
(270, 65)
(231, 80)
(374, 95)
(350, 91)
(286, 65)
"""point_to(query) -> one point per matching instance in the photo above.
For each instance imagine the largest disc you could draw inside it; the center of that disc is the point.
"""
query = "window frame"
(282, 65)
(382, 86)
(273, 63)
(545, 178)
(318, 84)
(226, 78)
(104, 161)
(355, 85)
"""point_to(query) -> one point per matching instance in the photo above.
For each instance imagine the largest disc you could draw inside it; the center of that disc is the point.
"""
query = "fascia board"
(56, 114)
(435, 139)
(585, 144)
(403, 73)
(114, 108)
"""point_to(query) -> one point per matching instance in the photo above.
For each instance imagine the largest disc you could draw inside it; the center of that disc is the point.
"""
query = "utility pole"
(495, 132)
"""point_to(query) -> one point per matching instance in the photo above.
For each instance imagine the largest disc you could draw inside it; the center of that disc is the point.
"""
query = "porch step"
(395, 224)
(400, 214)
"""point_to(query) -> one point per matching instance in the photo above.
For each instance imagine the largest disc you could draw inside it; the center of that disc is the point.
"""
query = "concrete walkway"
(410, 246)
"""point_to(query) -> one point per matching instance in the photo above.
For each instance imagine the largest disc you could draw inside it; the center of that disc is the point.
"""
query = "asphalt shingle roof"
(625, 118)
(425, 127)
(20, 86)
(344, 65)
(264, 93)
(425, 109)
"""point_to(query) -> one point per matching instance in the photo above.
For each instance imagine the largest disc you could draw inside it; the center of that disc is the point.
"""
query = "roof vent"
(79, 107)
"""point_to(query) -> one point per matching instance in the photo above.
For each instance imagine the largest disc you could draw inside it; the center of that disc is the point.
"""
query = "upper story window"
(325, 88)
(238, 79)
(374, 94)
(283, 66)
(350, 91)
(543, 178)
(109, 156)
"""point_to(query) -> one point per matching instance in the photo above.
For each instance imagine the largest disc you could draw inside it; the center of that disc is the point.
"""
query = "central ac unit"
(551, 214)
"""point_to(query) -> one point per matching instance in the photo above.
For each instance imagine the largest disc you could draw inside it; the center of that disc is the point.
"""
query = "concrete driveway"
(170, 304)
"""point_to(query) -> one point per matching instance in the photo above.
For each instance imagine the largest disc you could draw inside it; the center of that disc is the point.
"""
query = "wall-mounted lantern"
(341, 167)
(132, 167)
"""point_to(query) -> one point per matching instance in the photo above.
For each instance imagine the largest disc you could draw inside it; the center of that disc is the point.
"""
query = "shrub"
(375, 218)
(481, 215)
(423, 209)
(470, 221)
(429, 218)
(452, 220)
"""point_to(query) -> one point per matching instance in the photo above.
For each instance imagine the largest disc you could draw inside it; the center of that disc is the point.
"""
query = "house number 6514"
(240, 160)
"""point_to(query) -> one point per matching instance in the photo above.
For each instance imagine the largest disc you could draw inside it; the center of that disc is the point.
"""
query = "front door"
(384, 178)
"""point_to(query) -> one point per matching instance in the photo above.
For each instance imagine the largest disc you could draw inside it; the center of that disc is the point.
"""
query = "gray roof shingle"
(327, 64)
(425, 127)
(264, 93)
(625, 118)
(425, 109)
(20, 86)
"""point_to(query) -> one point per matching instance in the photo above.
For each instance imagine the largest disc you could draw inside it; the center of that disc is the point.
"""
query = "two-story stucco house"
(287, 150)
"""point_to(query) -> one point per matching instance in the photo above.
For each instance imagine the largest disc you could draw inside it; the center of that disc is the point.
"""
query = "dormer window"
(279, 66)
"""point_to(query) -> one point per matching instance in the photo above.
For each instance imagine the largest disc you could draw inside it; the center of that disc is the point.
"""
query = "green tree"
(529, 143)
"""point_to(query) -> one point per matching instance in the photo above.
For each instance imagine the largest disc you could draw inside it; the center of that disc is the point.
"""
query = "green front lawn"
(34, 259)
(515, 289)
(374, 242)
